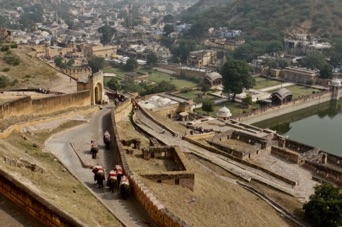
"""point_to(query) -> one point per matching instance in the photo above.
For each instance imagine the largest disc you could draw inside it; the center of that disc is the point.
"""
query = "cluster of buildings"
(78, 36)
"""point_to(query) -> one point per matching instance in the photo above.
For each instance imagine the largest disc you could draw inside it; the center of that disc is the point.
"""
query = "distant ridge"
(270, 19)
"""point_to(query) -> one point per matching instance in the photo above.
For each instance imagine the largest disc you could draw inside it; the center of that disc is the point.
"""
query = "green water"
(319, 126)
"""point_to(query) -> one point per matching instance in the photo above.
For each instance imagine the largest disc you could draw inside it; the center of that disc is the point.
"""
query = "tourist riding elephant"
(106, 139)
(124, 187)
(99, 174)
(112, 183)
(94, 149)
(100, 177)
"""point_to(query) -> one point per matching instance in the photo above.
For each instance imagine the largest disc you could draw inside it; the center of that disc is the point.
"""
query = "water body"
(319, 126)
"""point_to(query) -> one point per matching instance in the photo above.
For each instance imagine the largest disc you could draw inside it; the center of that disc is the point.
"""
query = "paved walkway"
(276, 87)
(73, 157)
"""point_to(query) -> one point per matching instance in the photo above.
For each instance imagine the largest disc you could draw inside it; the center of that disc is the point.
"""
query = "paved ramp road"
(128, 211)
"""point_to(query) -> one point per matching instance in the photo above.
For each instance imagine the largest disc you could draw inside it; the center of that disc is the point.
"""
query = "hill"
(29, 73)
(270, 19)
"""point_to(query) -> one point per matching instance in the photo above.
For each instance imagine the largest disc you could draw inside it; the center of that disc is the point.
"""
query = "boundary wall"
(34, 204)
(28, 106)
(155, 209)
(274, 111)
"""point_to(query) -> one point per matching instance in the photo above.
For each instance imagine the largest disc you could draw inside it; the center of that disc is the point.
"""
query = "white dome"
(335, 82)
(154, 98)
(163, 101)
(224, 112)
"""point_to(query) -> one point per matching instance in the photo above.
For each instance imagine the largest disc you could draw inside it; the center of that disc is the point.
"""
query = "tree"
(247, 101)
(205, 88)
(96, 63)
(107, 34)
(183, 49)
(208, 106)
(326, 71)
(151, 59)
(168, 29)
(236, 77)
(114, 84)
(325, 206)
(169, 18)
(314, 60)
(131, 64)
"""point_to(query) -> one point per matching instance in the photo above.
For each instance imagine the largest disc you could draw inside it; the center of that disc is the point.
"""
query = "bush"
(6, 69)
(3, 81)
(27, 76)
(4, 48)
(13, 82)
(185, 90)
(11, 59)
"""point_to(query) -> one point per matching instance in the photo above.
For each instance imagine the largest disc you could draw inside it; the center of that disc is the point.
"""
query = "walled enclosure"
(156, 210)
(183, 176)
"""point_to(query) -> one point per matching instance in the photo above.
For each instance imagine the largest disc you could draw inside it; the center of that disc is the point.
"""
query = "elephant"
(100, 177)
(112, 183)
(106, 140)
(93, 151)
(124, 190)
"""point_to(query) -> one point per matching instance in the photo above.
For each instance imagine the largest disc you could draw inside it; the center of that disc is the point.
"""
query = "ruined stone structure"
(299, 75)
(181, 175)
(202, 58)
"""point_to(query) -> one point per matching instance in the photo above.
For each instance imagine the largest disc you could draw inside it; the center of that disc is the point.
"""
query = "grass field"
(298, 91)
(234, 107)
(154, 76)
(262, 82)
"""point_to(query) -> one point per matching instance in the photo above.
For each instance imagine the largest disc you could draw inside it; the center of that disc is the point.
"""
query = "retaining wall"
(325, 171)
(283, 153)
(274, 111)
(34, 204)
(156, 210)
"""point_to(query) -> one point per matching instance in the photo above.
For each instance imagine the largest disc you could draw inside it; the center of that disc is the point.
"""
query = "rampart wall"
(61, 102)
(17, 107)
(33, 203)
(155, 209)
(51, 104)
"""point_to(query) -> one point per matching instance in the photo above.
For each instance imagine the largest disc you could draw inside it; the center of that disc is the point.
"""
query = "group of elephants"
(116, 179)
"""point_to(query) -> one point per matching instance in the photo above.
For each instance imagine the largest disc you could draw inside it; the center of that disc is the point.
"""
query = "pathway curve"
(129, 211)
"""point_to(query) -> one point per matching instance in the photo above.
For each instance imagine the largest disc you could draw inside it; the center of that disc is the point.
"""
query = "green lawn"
(262, 82)
(155, 76)
(235, 108)
(194, 96)
(301, 91)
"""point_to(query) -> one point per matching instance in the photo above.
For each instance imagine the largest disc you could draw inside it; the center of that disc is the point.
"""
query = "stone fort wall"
(155, 209)
(34, 204)
(51, 104)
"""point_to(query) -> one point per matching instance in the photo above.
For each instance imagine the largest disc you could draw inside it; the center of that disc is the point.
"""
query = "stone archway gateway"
(98, 93)
(96, 88)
